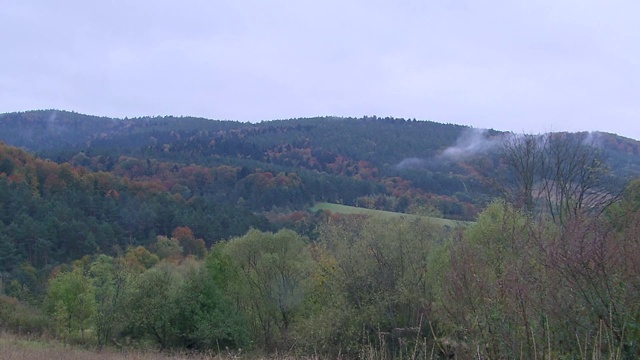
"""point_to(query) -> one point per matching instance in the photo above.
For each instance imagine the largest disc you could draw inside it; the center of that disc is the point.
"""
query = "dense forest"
(188, 233)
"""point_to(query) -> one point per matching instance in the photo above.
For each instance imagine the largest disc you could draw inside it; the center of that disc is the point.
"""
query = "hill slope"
(52, 213)
(383, 163)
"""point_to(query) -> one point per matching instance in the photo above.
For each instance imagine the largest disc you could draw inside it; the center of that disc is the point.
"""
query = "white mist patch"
(51, 125)
(471, 142)
(593, 138)
(52, 117)
(412, 162)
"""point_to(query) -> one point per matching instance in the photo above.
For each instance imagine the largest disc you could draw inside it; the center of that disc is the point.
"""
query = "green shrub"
(21, 318)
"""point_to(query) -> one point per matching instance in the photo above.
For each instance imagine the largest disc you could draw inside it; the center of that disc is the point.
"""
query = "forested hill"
(53, 213)
(370, 162)
(285, 165)
(380, 141)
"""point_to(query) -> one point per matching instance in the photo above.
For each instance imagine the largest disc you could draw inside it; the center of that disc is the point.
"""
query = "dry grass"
(21, 348)
(14, 347)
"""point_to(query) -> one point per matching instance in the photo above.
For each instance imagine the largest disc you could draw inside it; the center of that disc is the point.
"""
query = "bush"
(20, 318)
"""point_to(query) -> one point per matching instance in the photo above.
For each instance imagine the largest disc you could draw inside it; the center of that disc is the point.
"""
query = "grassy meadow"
(345, 209)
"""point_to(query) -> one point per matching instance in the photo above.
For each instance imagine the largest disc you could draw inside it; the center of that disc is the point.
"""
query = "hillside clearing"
(345, 209)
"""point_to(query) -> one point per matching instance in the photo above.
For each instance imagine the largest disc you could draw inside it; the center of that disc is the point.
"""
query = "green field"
(345, 209)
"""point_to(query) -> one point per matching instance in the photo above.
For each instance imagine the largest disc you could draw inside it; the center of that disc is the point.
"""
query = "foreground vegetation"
(22, 348)
(509, 286)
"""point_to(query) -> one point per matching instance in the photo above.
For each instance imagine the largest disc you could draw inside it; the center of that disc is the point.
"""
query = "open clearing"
(345, 209)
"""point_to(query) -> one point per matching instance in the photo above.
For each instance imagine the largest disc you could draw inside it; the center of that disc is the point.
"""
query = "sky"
(528, 66)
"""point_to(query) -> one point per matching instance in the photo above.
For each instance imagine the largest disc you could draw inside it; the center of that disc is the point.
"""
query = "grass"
(345, 209)
(14, 347)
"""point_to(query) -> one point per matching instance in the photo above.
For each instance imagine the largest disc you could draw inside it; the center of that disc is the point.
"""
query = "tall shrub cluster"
(518, 286)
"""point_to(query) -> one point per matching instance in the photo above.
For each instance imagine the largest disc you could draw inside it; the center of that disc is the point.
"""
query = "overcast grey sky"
(531, 66)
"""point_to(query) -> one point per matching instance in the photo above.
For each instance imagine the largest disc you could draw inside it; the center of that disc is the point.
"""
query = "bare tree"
(576, 177)
(523, 160)
(561, 174)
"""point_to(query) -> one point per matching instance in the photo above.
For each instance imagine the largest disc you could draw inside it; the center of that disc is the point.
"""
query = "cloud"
(412, 162)
(471, 142)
